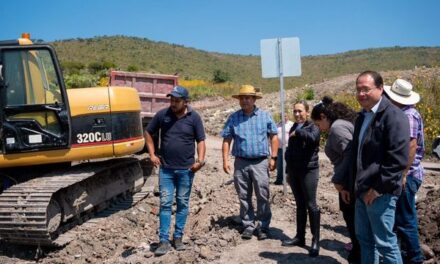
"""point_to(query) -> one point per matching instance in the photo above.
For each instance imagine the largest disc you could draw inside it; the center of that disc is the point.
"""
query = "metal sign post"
(281, 57)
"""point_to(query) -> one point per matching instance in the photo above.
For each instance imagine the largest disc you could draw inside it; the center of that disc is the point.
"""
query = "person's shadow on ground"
(296, 258)
(276, 233)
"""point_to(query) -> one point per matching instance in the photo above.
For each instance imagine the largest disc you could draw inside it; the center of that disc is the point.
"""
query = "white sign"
(280, 57)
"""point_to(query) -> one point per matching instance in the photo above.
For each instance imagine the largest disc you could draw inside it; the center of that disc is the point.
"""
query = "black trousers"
(348, 214)
(304, 183)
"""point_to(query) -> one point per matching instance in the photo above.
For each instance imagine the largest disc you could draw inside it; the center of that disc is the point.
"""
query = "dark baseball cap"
(180, 92)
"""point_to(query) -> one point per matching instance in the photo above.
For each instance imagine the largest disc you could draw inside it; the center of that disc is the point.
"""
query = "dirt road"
(212, 233)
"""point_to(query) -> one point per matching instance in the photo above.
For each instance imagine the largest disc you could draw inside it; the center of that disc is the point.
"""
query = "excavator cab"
(34, 110)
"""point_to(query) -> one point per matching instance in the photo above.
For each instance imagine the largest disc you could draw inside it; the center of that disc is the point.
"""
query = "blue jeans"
(179, 181)
(374, 230)
(406, 221)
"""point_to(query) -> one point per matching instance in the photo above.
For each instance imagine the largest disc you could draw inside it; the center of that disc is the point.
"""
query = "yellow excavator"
(60, 149)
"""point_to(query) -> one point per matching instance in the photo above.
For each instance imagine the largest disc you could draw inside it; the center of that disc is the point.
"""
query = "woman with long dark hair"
(303, 175)
(337, 119)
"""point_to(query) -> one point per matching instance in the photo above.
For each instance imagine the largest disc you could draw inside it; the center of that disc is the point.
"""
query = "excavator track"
(39, 211)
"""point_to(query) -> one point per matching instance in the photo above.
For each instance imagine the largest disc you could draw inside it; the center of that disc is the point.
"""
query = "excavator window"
(34, 111)
(30, 78)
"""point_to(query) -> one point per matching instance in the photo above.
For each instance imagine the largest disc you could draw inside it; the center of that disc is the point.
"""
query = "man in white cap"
(402, 95)
(252, 130)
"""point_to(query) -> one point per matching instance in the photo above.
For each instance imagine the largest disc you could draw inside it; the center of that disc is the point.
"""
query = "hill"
(160, 57)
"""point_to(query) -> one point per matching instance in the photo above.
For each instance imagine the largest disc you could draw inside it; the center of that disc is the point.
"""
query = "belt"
(252, 159)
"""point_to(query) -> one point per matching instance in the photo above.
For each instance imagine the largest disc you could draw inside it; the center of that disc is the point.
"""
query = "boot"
(299, 239)
(315, 225)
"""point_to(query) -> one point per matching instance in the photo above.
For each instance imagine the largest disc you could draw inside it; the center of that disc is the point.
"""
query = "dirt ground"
(212, 232)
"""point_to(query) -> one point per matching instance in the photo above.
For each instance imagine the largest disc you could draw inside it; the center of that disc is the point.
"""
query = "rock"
(213, 241)
(148, 254)
(427, 251)
(223, 243)
(154, 210)
(197, 249)
(144, 246)
(228, 237)
(200, 242)
(206, 253)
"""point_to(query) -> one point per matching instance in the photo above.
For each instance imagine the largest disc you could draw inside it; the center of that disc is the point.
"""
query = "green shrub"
(132, 68)
(308, 94)
(81, 81)
(72, 67)
(220, 76)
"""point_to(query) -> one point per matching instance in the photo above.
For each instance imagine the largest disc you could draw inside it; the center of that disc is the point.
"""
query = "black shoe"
(263, 233)
(178, 244)
(300, 242)
(354, 257)
(162, 249)
(247, 233)
(278, 182)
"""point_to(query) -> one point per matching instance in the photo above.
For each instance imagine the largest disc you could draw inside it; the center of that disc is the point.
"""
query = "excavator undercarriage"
(38, 211)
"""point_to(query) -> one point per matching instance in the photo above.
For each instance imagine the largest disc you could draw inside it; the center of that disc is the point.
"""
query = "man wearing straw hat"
(402, 95)
(253, 132)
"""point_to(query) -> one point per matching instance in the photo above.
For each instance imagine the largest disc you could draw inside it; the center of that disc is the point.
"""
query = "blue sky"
(232, 26)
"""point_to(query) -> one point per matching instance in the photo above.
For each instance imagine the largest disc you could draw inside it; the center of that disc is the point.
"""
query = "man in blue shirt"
(180, 127)
(402, 96)
(252, 130)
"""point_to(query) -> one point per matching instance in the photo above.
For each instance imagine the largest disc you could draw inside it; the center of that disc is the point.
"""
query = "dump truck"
(64, 153)
(152, 89)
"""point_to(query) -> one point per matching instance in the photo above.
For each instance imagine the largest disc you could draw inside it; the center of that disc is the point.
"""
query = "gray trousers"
(252, 175)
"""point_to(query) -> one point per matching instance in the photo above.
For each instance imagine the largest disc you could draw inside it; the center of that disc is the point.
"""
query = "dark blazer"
(384, 151)
(302, 149)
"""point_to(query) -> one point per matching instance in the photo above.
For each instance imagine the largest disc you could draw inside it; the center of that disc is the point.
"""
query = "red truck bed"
(152, 89)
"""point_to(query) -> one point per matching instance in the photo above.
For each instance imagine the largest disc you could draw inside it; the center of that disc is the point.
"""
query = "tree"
(132, 68)
(220, 76)
(72, 67)
(95, 67)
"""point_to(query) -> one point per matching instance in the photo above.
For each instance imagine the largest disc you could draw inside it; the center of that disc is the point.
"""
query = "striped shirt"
(416, 131)
(250, 133)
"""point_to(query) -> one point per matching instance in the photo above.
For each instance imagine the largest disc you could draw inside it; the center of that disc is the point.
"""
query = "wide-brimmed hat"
(402, 93)
(248, 90)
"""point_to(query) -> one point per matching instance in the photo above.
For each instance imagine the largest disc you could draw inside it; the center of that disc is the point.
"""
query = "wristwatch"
(274, 158)
(202, 162)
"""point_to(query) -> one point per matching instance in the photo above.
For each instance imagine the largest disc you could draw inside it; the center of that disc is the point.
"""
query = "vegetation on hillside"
(86, 62)
(132, 53)
(428, 86)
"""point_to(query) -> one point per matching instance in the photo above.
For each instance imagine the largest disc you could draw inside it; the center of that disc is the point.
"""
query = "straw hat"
(248, 90)
(402, 93)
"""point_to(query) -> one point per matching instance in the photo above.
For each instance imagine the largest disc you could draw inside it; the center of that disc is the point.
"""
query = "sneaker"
(247, 233)
(263, 233)
(178, 244)
(162, 249)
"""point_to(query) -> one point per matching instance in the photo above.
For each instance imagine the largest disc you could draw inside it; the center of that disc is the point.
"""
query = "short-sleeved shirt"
(416, 132)
(250, 133)
(287, 126)
(178, 137)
